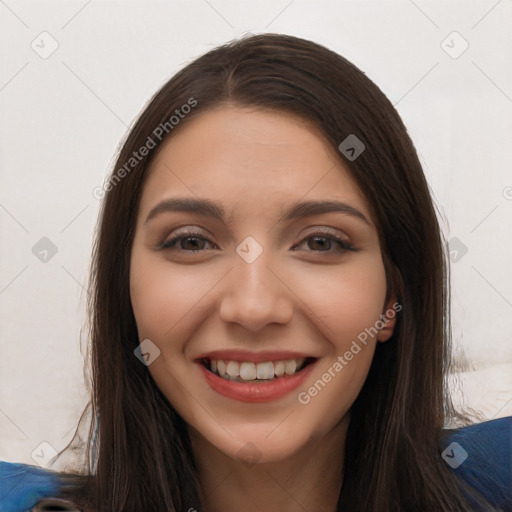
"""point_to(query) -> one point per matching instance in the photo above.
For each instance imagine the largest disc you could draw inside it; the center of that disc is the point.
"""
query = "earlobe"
(387, 321)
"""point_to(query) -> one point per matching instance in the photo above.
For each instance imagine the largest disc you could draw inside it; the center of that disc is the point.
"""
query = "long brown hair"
(143, 459)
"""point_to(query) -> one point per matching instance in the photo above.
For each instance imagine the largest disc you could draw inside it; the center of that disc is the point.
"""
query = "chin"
(253, 445)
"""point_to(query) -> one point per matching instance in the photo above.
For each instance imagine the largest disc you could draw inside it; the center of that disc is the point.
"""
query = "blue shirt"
(480, 455)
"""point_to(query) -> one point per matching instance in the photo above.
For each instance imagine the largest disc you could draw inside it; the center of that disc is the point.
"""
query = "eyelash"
(343, 245)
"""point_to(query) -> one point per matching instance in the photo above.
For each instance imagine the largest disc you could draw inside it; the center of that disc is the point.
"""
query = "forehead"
(254, 158)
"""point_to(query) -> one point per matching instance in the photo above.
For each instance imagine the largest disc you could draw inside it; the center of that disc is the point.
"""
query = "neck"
(309, 480)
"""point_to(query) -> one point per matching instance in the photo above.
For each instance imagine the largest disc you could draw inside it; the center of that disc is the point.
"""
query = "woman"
(270, 304)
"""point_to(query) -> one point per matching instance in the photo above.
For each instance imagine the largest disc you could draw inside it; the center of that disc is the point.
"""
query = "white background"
(63, 116)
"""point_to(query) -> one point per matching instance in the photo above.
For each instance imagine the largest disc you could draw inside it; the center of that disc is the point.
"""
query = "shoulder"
(23, 486)
(481, 456)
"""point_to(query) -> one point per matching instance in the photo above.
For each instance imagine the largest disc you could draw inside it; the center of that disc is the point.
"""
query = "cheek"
(346, 300)
(162, 295)
(347, 306)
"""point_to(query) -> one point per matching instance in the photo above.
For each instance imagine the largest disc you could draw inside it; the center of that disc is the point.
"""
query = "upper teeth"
(246, 370)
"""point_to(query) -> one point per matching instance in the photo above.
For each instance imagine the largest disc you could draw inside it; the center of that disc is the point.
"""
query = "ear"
(387, 321)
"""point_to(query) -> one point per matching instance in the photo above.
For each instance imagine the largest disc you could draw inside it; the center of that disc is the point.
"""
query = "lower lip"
(259, 391)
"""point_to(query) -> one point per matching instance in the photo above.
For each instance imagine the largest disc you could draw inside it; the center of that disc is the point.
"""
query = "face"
(286, 302)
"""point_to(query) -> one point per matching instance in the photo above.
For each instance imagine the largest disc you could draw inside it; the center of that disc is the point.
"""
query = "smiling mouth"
(247, 371)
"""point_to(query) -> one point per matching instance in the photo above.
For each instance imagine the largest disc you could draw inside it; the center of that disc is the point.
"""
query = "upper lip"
(255, 357)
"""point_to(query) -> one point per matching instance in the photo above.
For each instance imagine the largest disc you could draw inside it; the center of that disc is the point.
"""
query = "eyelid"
(324, 229)
(196, 230)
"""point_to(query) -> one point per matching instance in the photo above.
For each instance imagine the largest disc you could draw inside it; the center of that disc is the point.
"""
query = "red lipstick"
(263, 391)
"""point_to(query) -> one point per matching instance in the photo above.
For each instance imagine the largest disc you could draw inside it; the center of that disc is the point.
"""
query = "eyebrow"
(214, 209)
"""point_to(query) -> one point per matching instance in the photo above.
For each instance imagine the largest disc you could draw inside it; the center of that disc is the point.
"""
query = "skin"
(297, 295)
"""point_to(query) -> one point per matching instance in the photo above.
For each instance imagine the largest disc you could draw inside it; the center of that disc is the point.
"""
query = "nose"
(255, 294)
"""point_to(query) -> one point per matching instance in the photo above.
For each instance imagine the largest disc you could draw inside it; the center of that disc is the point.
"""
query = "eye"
(191, 238)
(193, 241)
(324, 240)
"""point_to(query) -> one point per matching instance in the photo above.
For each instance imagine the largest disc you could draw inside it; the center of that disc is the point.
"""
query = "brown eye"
(321, 242)
(194, 241)
(190, 241)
